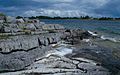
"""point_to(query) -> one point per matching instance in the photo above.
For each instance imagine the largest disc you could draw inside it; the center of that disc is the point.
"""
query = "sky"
(63, 8)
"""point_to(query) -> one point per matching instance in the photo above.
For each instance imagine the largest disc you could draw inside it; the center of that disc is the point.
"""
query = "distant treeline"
(82, 17)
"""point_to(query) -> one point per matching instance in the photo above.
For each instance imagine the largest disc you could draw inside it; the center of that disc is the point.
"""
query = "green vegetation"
(18, 17)
(1, 14)
(47, 17)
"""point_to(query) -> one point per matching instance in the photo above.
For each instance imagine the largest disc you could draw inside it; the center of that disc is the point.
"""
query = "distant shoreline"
(82, 19)
(78, 18)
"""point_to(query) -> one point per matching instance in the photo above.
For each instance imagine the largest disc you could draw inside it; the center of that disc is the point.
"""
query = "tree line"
(81, 17)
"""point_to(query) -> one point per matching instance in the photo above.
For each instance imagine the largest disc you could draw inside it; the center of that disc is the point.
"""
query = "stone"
(20, 20)
(30, 26)
(58, 27)
(1, 21)
(38, 26)
(19, 60)
(50, 40)
(2, 17)
(11, 29)
(26, 42)
(55, 65)
(46, 43)
(1, 28)
(10, 19)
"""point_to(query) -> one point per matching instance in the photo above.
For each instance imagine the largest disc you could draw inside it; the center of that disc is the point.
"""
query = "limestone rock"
(61, 65)
(26, 42)
(1, 21)
(1, 28)
(11, 29)
(10, 19)
(30, 26)
(38, 26)
(20, 21)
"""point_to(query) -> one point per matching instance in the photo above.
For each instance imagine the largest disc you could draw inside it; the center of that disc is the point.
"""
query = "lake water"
(108, 28)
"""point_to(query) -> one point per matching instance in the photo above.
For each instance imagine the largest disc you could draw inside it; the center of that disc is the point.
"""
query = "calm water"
(108, 28)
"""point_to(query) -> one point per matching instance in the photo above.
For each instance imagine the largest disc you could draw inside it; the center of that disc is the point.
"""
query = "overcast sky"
(96, 8)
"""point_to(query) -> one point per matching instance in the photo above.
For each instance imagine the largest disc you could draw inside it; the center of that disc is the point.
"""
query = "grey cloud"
(61, 7)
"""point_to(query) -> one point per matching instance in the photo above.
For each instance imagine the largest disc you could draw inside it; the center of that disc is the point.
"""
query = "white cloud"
(67, 8)
(61, 7)
(55, 12)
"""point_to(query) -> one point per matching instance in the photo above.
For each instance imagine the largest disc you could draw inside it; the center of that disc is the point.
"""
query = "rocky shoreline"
(34, 61)
(30, 47)
(54, 62)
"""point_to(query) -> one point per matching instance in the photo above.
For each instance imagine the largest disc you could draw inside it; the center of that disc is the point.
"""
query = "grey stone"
(30, 26)
(1, 28)
(10, 19)
(26, 42)
(20, 20)
(38, 25)
(57, 26)
(55, 65)
(1, 21)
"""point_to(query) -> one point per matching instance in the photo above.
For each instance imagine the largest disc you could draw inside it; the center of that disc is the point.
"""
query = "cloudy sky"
(96, 8)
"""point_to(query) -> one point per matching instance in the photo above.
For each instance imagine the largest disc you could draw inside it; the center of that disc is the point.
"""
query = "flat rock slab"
(59, 65)
(26, 42)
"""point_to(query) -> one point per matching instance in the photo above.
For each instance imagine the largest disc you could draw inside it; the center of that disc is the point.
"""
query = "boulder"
(11, 30)
(20, 20)
(2, 18)
(38, 26)
(1, 28)
(12, 25)
(1, 21)
(75, 36)
(30, 26)
(36, 21)
(50, 40)
(10, 19)
(58, 27)
(46, 43)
